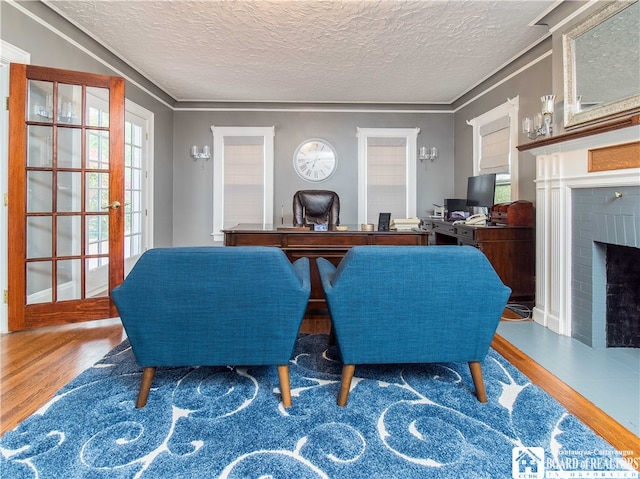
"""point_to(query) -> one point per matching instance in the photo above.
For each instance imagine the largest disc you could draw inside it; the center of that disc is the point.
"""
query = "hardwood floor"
(34, 365)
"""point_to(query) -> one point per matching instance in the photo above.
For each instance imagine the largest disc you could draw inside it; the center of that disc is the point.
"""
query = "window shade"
(494, 146)
(243, 180)
(386, 177)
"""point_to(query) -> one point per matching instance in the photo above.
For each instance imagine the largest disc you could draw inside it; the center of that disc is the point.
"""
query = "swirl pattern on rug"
(402, 421)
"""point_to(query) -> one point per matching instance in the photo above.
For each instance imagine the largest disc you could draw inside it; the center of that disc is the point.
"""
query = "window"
(133, 175)
(494, 148)
(386, 173)
(138, 183)
(242, 177)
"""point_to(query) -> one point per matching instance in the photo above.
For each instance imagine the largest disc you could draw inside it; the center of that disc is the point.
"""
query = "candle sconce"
(428, 153)
(204, 155)
(542, 123)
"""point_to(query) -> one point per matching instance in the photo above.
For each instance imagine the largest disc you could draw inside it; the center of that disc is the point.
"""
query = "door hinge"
(6, 296)
(6, 102)
(6, 199)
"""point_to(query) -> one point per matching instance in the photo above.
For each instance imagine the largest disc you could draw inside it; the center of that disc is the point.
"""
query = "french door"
(66, 195)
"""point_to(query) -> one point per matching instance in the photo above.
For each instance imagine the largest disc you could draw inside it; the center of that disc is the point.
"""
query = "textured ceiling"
(369, 51)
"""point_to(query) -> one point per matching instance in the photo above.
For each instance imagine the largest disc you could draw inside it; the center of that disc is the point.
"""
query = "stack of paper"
(405, 224)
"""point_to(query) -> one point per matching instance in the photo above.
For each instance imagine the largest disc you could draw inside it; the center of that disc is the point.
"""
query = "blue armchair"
(213, 306)
(413, 304)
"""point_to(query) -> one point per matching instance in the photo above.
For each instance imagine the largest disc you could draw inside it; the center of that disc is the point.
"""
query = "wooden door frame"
(8, 54)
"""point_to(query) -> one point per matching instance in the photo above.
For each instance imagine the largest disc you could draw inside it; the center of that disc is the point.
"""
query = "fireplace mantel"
(598, 129)
(562, 164)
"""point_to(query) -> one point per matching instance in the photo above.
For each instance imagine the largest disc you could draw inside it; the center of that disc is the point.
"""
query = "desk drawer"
(400, 240)
(444, 228)
(330, 239)
(252, 239)
(465, 233)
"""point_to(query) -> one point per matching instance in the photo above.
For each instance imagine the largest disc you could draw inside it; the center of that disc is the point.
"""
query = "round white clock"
(315, 160)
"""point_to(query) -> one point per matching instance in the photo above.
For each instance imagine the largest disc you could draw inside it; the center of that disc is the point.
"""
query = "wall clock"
(315, 160)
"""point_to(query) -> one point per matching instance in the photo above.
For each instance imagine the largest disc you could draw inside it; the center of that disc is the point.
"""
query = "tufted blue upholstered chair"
(213, 306)
(413, 304)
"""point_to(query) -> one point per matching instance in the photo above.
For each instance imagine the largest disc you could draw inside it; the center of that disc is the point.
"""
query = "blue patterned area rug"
(403, 421)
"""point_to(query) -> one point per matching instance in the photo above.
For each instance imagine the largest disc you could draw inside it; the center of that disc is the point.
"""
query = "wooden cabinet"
(510, 249)
(332, 245)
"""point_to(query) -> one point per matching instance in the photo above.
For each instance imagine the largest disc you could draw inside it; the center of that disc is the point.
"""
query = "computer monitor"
(481, 191)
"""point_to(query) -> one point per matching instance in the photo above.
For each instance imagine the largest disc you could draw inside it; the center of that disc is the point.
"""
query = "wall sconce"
(428, 153)
(205, 155)
(542, 124)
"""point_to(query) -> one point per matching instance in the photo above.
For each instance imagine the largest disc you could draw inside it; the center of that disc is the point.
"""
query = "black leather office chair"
(317, 207)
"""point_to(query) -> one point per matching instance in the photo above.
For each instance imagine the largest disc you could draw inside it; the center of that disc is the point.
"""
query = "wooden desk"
(331, 245)
(510, 249)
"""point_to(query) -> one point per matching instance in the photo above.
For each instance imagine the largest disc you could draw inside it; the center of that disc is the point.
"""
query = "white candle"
(548, 103)
(537, 121)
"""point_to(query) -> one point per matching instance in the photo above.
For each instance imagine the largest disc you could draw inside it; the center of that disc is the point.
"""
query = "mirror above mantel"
(602, 64)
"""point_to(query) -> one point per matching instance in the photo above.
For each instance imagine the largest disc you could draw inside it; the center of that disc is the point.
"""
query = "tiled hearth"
(577, 212)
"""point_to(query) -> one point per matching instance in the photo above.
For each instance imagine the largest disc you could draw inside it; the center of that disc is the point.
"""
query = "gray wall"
(529, 84)
(193, 197)
(183, 199)
(49, 49)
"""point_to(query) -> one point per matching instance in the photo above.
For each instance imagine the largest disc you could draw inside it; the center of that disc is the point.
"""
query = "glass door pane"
(69, 105)
(40, 146)
(40, 101)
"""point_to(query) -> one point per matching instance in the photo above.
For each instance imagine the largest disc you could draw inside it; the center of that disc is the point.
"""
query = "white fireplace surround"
(560, 167)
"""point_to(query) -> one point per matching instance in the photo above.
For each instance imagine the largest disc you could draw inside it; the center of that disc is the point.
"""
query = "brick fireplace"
(581, 208)
(605, 259)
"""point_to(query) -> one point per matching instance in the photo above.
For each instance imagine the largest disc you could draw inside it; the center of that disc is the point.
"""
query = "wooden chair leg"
(332, 336)
(347, 375)
(145, 386)
(285, 386)
(476, 373)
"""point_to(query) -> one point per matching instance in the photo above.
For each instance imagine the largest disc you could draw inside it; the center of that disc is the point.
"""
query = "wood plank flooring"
(34, 365)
